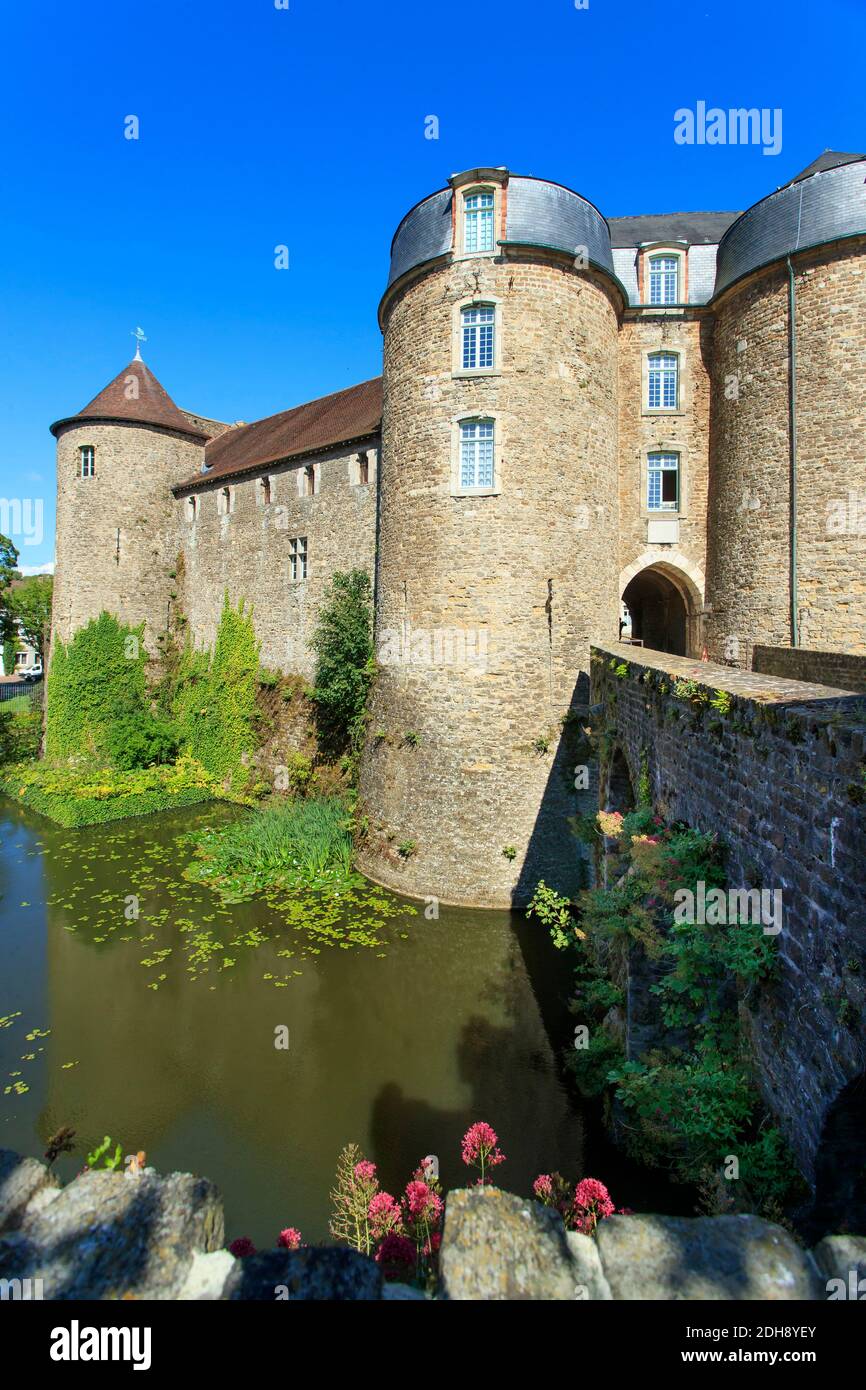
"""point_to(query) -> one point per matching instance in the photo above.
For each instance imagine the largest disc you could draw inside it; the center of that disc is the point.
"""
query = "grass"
(19, 704)
(297, 844)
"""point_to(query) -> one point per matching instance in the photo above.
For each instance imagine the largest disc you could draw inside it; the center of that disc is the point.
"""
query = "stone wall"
(247, 550)
(685, 430)
(841, 669)
(748, 517)
(116, 531)
(518, 582)
(780, 775)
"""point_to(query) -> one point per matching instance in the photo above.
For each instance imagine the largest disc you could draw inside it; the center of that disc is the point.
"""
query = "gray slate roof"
(697, 228)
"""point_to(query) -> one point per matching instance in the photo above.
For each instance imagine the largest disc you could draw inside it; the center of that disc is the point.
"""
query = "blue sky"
(305, 127)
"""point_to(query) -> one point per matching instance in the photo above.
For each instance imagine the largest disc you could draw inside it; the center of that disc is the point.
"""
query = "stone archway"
(840, 1165)
(664, 598)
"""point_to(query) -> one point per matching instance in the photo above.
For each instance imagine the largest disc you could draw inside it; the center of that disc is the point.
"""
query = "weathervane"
(140, 338)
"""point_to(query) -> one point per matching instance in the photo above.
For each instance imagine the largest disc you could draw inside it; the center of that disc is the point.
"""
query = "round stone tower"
(116, 539)
(787, 505)
(498, 527)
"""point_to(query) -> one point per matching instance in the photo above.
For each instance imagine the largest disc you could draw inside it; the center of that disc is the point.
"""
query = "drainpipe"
(792, 444)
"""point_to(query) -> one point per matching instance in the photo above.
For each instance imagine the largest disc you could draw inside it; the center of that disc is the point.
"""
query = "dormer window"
(478, 212)
(664, 279)
(87, 461)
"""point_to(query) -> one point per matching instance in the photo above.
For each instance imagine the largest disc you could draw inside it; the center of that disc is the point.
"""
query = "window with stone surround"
(225, 501)
(191, 509)
(477, 455)
(308, 481)
(477, 330)
(664, 278)
(478, 221)
(86, 461)
(363, 470)
(298, 557)
(663, 381)
(264, 492)
(663, 482)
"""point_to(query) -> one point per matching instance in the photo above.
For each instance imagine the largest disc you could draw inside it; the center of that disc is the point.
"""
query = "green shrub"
(20, 731)
(343, 646)
(141, 742)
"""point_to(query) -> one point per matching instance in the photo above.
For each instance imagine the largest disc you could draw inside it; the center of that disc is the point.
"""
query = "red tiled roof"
(321, 424)
(148, 404)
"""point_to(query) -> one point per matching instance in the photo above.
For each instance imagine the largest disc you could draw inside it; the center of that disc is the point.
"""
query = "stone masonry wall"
(841, 669)
(247, 551)
(781, 777)
(116, 532)
(748, 519)
(685, 430)
(466, 757)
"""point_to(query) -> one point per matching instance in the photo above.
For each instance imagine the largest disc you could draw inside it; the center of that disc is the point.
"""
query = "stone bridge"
(778, 768)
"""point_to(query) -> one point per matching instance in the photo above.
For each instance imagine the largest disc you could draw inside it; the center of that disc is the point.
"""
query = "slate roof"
(830, 159)
(697, 228)
(150, 404)
(342, 417)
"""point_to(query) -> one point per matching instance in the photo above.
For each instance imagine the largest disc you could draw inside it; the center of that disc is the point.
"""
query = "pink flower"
(396, 1255)
(543, 1187)
(290, 1238)
(242, 1247)
(384, 1214)
(479, 1147)
(365, 1171)
(589, 1192)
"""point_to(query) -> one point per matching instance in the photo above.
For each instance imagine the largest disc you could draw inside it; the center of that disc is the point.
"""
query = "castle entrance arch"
(664, 605)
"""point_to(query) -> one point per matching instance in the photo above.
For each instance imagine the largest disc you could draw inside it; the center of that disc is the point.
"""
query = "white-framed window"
(477, 439)
(478, 218)
(664, 276)
(663, 385)
(663, 482)
(225, 501)
(263, 492)
(477, 330)
(86, 461)
(191, 509)
(298, 557)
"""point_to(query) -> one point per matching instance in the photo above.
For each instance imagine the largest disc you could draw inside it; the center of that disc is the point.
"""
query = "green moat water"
(159, 1030)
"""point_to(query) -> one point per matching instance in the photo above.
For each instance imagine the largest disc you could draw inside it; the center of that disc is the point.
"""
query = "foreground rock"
(497, 1246)
(705, 1257)
(108, 1236)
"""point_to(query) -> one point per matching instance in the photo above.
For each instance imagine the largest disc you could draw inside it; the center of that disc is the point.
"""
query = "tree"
(344, 667)
(30, 603)
(8, 632)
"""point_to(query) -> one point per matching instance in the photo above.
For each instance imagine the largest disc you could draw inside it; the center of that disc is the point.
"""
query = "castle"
(575, 414)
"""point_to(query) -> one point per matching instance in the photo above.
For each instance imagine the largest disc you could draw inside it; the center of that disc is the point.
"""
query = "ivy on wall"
(94, 681)
(213, 699)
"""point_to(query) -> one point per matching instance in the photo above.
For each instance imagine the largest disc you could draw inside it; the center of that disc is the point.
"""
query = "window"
(308, 481)
(477, 324)
(191, 509)
(86, 461)
(298, 557)
(476, 454)
(478, 222)
(664, 279)
(225, 501)
(363, 469)
(663, 483)
(264, 492)
(663, 381)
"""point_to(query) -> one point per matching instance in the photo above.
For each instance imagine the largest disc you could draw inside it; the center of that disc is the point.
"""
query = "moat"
(397, 1044)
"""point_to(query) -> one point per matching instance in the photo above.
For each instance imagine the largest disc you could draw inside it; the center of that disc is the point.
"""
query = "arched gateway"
(664, 596)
